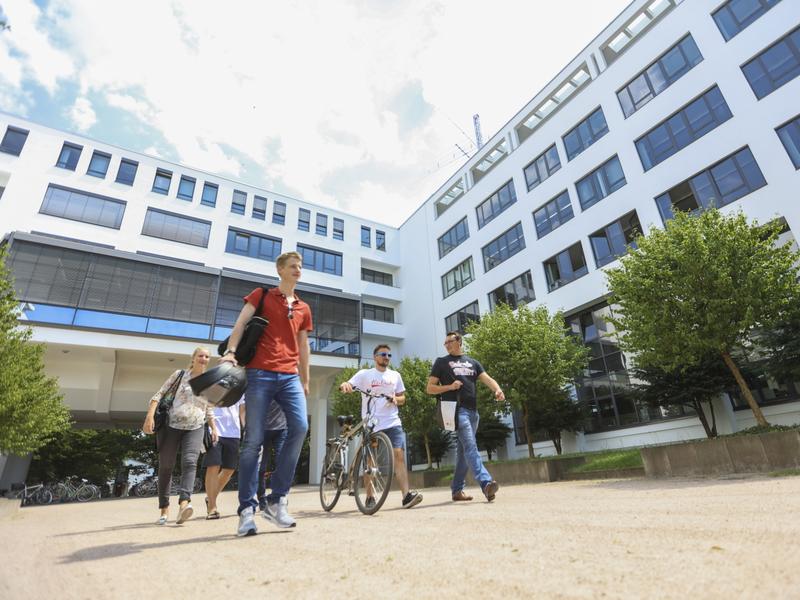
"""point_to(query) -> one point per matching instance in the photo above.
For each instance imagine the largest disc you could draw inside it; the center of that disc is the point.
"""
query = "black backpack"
(246, 350)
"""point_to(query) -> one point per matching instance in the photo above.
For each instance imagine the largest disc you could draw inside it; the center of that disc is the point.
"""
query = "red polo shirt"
(277, 349)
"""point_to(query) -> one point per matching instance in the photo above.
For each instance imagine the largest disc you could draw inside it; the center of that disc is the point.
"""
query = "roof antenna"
(476, 121)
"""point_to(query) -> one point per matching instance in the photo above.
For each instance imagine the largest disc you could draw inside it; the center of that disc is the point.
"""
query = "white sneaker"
(247, 526)
(278, 514)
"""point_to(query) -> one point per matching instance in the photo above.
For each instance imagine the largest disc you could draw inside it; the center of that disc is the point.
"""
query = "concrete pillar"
(105, 382)
(726, 417)
(318, 411)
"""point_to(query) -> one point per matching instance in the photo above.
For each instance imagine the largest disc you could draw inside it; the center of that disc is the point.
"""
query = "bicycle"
(369, 474)
(69, 490)
(31, 494)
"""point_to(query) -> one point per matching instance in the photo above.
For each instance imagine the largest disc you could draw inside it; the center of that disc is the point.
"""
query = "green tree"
(555, 415)
(492, 432)
(702, 286)
(94, 454)
(692, 386)
(346, 404)
(531, 356)
(419, 411)
(781, 346)
(440, 442)
(32, 410)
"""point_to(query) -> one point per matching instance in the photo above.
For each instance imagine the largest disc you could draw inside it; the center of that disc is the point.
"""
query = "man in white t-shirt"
(380, 380)
(223, 456)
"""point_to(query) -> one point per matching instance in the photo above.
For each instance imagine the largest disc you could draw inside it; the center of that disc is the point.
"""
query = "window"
(304, 219)
(585, 133)
(736, 15)
(496, 203)
(542, 167)
(259, 208)
(239, 202)
(789, 134)
(565, 266)
(658, 76)
(380, 240)
(457, 278)
(601, 182)
(724, 182)
(70, 153)
(775, 66)
(516, 292)
(553, 214)
(378, 277)
(82, 206)
(372, 312)
(320, 260)
(683, 127)
(453, 237)
(186, 187)
(98, 166)
(366, 237)
(458, 320)
(322, 224)
(162, 181)
(503, 247)
(279, 213)
(338, 229)
(612, 241)
(13, 141)
(126, 174)
(254, 245)
(209, 197)
(178, 228)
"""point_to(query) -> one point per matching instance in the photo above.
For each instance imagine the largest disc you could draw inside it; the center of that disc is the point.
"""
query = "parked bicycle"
(31, 494)
(369, 477)
(74, 489)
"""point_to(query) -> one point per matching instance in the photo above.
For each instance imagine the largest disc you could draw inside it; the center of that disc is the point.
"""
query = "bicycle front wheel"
(374, 471)
(330, 480)
(43, 496)
(85, 493)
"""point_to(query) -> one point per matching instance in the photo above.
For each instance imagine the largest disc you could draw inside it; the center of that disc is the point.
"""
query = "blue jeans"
(262, 388)
(273, 438)
(467, 453)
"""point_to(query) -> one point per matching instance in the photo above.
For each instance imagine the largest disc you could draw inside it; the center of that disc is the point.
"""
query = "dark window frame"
(380, 240)
(725, 16)
(181, 181)
(73, 151)
(579, 132)
(366, 242)
(278, 212)
(459, 280)
(453, 237)
(628, 230)
(602, 189)
(338, 229)
(162, 174)
(541, 164)
(458, 320)
(493, 206)
(97, 173)
(554, 283)
(325, 254)
(553, 213)
(204, 200)
(254, 244)
(48, 206)
(321, 225)
(7, 147)
(748, 68)
(372, 276)
(682, 128)
(512, 298)
(376, 312)
(129, 165)
(303, 219)
(792, 135)
(648, 76)
(238, 202)
(503, 247)
(259, 210)
(180, 218)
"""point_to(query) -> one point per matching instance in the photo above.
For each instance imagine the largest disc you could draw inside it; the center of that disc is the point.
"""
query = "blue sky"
(354, 104)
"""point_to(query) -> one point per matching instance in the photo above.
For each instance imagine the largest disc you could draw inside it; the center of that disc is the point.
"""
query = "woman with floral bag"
(181, 426)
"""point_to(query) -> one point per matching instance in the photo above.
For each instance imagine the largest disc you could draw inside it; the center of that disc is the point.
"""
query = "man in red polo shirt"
(279, 372)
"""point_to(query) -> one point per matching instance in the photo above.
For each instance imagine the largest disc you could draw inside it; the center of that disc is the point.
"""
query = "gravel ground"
(735, 538)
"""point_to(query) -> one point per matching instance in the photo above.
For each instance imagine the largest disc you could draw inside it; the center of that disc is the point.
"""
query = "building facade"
(125, 262)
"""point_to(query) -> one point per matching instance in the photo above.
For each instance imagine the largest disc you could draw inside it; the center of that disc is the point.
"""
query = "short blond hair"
(284, 258)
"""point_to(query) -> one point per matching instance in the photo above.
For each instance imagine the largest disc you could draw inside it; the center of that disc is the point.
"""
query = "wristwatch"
(230, 351)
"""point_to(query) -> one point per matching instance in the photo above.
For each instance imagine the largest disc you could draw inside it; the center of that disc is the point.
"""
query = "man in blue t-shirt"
(454, 377)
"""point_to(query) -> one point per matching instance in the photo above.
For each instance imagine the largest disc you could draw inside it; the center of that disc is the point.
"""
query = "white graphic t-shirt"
(388, 383)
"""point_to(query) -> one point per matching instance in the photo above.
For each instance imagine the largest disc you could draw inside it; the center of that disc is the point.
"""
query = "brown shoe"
(461, 496)
(490, 489)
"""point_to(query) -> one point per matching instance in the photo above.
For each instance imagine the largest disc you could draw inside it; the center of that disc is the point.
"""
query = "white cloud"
(316, 90)
(82, 114)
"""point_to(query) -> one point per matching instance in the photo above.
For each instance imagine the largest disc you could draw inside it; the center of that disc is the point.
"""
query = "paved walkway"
(612, 539)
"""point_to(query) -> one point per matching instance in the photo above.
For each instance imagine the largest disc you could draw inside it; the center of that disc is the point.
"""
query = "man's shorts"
(225, 453)
(397, 436)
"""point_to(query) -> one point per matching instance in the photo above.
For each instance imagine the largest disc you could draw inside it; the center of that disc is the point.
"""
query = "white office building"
(125, 262)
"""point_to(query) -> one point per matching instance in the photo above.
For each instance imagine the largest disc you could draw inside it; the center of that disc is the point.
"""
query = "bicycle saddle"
(344, 420)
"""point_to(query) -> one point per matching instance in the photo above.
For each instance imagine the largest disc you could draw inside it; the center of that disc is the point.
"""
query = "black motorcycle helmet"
(221, 386)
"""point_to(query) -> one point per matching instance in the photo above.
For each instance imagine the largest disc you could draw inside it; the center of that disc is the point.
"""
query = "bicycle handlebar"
(371, 395)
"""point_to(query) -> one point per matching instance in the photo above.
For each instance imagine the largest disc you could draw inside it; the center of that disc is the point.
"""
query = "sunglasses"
(449, 342)
(384, 354)
(291, 312)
